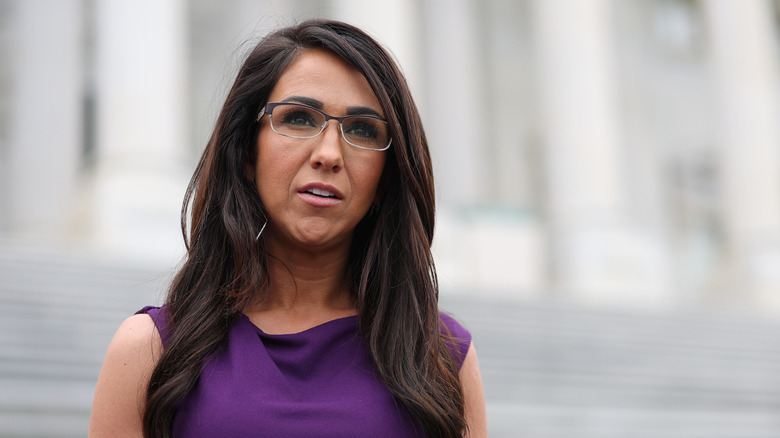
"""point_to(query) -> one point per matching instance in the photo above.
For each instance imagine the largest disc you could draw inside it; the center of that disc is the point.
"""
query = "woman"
(307, 305)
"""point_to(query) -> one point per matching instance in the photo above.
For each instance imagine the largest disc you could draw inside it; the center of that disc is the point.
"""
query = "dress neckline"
(333, 322)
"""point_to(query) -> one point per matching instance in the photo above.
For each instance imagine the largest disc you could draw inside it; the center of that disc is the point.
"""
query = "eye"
(298, 117)
(364, 128)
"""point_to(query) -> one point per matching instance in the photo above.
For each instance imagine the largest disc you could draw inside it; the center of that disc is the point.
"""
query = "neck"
(304, 280)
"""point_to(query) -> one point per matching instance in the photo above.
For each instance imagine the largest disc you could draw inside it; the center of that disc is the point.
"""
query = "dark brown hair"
(391, 269)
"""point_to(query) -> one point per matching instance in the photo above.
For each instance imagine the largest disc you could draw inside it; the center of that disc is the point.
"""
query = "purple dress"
(320, 382)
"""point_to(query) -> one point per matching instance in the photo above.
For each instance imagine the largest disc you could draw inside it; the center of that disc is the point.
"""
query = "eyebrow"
(363, 111)
(306, 101)
(351, 110)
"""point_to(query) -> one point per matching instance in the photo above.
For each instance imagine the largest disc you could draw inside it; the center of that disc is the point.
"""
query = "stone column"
(395, 25)
(453, 108)
(143, 165)
(45, 118)
(597, 254)
(746, 87)
(225, 33)
(469, 247)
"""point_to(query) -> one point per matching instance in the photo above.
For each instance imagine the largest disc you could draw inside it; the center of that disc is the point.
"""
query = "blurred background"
(608, 180)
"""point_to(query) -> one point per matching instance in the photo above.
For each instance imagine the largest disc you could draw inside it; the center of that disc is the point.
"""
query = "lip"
(318, 201)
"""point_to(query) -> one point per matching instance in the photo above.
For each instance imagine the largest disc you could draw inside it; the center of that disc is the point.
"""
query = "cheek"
(274, 170)
(369, 176)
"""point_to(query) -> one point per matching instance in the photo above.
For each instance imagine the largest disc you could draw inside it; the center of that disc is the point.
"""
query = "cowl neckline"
(332, 325)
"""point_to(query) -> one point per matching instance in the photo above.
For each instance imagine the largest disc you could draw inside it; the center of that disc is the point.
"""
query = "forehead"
(322, 75)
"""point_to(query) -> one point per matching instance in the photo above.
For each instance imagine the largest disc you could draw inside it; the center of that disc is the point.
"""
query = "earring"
(261, 231)
(254, 184)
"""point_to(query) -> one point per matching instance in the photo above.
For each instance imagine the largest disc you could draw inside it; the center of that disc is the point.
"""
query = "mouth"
(321, 193)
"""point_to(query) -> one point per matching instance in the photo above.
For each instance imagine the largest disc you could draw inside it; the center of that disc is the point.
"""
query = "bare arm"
(121, 388)
(474, 396)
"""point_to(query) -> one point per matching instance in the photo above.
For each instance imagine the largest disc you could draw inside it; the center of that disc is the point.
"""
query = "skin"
(120, 393)
(309, 243)
(474, 396)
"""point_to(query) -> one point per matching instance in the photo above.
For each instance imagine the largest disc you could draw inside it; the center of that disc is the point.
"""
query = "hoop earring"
(254, 184)
(261, 231)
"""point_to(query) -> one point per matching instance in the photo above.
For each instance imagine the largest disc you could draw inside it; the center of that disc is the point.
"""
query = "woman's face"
(316, 190)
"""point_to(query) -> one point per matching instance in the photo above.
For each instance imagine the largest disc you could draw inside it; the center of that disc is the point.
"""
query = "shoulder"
(456, 336)
(119, 394)
(159, 318)
(473, 395)
(136, 346)
(138, 330)
(470, 378)
(451, 326)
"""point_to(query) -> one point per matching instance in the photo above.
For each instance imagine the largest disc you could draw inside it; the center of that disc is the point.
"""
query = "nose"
(328, 149)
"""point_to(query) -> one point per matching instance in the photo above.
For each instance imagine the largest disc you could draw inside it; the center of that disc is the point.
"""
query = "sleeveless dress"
(317, 383)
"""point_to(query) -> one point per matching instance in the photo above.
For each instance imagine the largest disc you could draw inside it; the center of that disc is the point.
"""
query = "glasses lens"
(366, 132)
(296, 120)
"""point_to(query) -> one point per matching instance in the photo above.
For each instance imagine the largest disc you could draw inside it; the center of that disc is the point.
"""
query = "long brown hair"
(392, 272)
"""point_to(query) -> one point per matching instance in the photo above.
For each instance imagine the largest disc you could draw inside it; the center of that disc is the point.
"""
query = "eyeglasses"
(302, 121)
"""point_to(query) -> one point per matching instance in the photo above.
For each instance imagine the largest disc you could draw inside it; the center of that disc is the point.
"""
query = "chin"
(317, 239)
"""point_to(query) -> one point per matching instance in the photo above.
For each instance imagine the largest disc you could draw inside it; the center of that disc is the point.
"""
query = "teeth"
(320, 192)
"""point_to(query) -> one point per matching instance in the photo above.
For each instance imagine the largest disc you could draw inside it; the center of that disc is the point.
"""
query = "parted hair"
(390, 266)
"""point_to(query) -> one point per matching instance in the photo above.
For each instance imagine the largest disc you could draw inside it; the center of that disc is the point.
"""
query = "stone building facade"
(605, 151)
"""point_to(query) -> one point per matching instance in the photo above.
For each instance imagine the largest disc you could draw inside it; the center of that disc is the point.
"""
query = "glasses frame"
(268, 108)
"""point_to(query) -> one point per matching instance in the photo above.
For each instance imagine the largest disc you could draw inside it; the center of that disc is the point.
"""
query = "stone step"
(539, 420)
(557, 370)
(550, 369)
